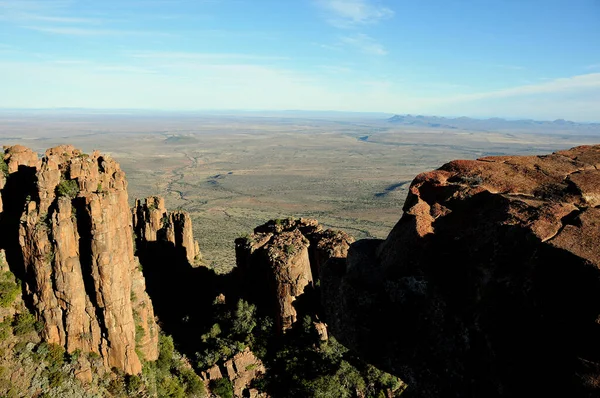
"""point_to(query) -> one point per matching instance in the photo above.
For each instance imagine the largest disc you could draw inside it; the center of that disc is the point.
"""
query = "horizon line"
(222, 110)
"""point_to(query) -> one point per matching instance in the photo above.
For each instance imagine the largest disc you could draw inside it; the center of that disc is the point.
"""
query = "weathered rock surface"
(240, 370)
(282, 258)
(18, 155)
(488, 286)
(75, 242)
(152, 222)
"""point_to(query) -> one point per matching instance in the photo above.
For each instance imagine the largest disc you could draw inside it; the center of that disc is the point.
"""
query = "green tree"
(244, 320)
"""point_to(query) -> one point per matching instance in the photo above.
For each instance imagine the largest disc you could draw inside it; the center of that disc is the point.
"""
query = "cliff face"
(492, 276)
(76, 250)
(282, 258)
(152, 222)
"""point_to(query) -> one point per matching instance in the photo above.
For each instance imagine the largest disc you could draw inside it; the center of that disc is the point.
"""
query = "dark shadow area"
(19, 186)
(481, 308)
(182, 296)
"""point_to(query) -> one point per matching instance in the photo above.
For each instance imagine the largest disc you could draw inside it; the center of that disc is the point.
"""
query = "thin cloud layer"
(348, 13)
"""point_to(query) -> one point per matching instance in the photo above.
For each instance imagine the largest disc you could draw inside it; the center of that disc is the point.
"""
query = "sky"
(535, 59)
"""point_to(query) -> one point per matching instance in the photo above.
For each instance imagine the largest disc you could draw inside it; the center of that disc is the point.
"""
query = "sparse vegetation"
(24, 323)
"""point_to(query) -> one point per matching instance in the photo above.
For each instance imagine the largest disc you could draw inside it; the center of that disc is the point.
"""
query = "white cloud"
(365, 44)
(348, 13)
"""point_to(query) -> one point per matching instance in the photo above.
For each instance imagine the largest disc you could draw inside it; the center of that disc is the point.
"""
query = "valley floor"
(234, 173)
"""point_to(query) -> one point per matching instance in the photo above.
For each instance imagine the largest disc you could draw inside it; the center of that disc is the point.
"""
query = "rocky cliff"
(282, 258)
(152, 222)
(488, 286)
(70, 214)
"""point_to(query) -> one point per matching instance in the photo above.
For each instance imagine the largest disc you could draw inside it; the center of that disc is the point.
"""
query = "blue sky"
(507, 58)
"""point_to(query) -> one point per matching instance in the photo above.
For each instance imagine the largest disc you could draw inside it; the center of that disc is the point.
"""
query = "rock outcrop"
(282, 258)
(152, 222)
(240, 370)
(17, 156)
(76, 249)
(488, 286)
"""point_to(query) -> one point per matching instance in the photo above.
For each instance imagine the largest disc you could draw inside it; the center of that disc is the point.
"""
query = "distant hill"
(495, 124)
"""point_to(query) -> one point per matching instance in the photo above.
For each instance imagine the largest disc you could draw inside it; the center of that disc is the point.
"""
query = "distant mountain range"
(495, 124)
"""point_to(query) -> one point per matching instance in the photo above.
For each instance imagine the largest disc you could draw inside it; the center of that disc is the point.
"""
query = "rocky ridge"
(493, 276)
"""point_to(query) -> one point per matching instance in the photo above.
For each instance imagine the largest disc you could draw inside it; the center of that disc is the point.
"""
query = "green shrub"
(74, 356)
(56, 377)
(24, 323)
(20, 349)
(290, 249)
(5, 329)
(116, 386)
(193, 384)
(244, 320)
(9, 289)
(133, 384)
(170, 387)
(222, 388)
(56, 355)
(165, 353)
(67, 188)
(140, 333)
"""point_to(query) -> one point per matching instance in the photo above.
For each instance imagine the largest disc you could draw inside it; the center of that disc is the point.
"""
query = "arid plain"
(234, 172)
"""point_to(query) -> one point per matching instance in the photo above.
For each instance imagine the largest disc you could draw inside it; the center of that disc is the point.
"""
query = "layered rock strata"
(152, 222)
(282, 258)
(82, 279)
(488, 286)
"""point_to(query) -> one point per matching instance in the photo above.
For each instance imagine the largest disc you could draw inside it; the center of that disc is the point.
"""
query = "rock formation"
(282, 258)
(488, 286)
(240, 370)
(152, 222)
(76, 249)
